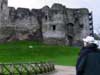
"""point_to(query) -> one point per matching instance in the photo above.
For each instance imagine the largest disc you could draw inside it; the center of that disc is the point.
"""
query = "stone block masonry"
(56, 25)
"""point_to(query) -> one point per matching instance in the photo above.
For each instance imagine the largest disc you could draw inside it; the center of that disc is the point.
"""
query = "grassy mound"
(30, 51)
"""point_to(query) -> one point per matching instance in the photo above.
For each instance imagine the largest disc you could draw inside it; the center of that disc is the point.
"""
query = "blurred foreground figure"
(90, 46)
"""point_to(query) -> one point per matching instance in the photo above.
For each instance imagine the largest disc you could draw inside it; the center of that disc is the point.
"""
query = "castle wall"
(55, 25)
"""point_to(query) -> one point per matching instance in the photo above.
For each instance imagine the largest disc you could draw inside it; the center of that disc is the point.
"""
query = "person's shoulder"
(98, 50)
(84, 48)
(95, 53)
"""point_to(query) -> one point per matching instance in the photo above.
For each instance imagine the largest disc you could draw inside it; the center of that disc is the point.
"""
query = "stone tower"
(54, 24)
(3, 17)
(62, 25)
(3, 12)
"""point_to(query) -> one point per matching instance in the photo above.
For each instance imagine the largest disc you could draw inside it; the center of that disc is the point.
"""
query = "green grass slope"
(19, 51)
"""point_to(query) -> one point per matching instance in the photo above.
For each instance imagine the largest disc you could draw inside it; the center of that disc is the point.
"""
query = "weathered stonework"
(55, 25)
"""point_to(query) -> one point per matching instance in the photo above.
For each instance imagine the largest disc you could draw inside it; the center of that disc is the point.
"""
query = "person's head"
(89, 40)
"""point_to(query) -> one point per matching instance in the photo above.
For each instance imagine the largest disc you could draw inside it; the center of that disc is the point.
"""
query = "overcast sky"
(92, 5)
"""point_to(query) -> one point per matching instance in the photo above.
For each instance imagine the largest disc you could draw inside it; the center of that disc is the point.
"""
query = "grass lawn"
(19, 51)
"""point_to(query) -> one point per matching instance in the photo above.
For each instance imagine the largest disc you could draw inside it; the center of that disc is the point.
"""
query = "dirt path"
(63, 70)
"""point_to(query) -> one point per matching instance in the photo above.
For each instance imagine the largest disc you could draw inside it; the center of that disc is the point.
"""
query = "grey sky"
(92, 5)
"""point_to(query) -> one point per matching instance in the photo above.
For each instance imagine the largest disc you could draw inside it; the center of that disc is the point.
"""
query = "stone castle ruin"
(55, 25)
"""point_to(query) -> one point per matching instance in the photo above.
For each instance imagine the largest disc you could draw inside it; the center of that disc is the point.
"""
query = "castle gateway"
(55, 25)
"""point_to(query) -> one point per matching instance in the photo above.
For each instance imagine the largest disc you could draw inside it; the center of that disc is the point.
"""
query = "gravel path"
(64, 70)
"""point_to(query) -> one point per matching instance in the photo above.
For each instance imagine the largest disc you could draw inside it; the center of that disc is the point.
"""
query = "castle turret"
(3, 16)
(3, 12)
